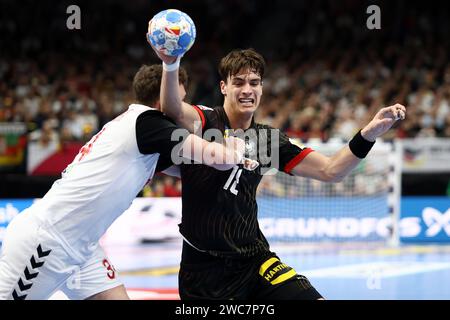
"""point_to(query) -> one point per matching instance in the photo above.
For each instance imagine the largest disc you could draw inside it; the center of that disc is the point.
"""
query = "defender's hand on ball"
(383, 121)
(249, 164)
(238, 145)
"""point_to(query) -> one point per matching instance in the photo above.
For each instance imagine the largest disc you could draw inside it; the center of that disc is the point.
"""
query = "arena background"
(327, 75)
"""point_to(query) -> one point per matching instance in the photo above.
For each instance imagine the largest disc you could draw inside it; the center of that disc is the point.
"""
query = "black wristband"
(359, 146)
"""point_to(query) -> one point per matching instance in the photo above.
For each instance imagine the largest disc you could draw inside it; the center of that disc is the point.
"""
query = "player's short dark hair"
(238, 60)
(147, 83)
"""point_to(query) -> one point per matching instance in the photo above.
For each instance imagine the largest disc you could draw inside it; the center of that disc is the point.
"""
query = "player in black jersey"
(99, 184)
(225, 255)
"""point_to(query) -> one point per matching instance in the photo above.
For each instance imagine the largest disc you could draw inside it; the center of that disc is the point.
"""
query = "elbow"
(332, 177)
(332, 174)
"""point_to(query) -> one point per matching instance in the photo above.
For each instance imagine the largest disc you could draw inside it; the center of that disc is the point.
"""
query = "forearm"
(172, 104)
(349, 156)
(336, 167)
(170, 99)
(211, 154)
(340, 165)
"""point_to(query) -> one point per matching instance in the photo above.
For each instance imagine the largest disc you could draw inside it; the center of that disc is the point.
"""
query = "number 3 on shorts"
(110, 268)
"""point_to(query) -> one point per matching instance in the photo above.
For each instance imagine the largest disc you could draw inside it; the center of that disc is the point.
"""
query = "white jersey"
(103, 179)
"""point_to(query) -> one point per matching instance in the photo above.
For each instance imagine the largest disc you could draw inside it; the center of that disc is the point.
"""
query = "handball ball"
(171, 32)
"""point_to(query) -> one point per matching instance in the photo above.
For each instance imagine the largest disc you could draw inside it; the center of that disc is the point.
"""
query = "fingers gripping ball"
(172, 32)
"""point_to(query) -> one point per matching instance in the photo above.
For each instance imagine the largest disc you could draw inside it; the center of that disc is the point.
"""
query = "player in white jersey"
(54, 244)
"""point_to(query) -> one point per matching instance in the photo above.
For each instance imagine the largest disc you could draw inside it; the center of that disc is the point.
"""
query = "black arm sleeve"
(154, 133)
(290, 154)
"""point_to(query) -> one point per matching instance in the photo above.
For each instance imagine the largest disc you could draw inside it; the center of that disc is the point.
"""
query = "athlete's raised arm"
(171, 104)
(338, 166)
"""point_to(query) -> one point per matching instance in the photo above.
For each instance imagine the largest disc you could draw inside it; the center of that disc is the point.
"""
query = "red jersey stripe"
(202, 116)
(297, 159)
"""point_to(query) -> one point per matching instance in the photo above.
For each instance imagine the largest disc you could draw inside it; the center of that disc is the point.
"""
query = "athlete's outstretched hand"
(383, 121)
(165, 58)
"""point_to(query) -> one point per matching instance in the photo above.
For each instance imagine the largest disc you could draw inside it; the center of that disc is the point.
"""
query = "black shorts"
(265, 277)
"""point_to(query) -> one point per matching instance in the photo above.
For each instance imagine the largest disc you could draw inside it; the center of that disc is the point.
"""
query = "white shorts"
(33, 265)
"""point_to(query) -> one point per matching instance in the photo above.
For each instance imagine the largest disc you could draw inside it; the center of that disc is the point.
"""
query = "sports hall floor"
(350, 272)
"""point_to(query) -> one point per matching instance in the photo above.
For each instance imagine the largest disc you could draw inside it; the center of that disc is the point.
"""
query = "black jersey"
(219, 207)
(154, 135)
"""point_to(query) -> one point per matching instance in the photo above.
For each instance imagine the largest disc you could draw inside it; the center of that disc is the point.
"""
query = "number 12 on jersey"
(233, 180)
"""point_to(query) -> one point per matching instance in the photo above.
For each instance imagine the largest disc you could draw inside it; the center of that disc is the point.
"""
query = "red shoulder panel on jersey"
(297, 159)
(202, 116)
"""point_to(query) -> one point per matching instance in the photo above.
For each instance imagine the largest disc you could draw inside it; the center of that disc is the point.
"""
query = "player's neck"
(238, 120)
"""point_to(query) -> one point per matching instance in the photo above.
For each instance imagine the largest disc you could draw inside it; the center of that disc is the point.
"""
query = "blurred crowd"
(327, 74)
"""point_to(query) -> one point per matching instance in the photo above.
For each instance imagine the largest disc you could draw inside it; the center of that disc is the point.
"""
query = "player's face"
(242, 91)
